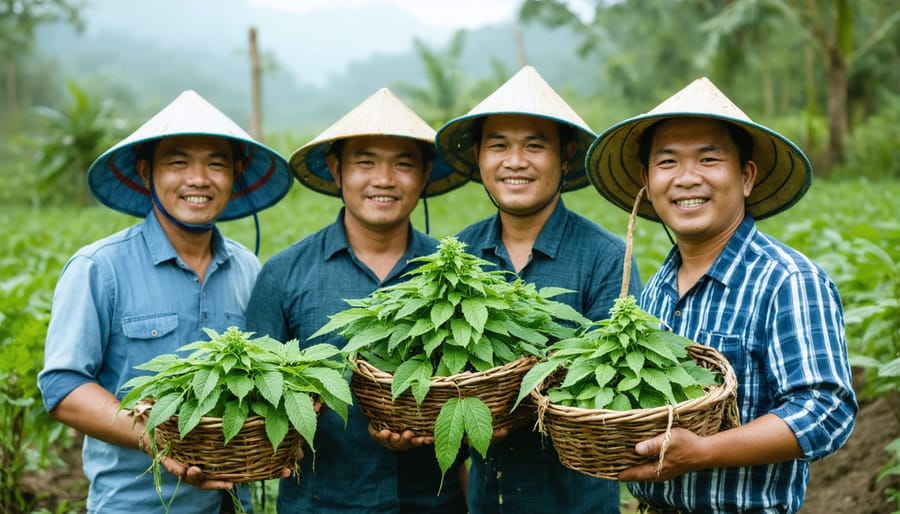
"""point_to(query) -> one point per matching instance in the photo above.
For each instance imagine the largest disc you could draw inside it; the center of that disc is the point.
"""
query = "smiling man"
(709, 173)
(152, 288)
(526, 146)
(379, 159)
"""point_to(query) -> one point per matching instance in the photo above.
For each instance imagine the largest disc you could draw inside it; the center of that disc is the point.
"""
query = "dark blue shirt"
(522, 473)
(777, 318)
(295, 293)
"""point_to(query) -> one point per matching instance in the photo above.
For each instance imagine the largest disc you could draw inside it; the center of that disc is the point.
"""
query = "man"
(710, 172)
(379, 159)
(526, 146)
(152, 288)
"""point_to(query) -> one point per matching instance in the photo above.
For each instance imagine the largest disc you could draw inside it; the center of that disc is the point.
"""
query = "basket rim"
(714, 394)
(369, 371)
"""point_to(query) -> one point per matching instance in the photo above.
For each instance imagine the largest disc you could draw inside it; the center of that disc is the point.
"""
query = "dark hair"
(739, 137)
(565, 132)
(145, 151)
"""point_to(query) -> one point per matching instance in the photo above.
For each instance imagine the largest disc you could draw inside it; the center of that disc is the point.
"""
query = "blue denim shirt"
(118, 303)
(777, 318)
(522, 474)
(350, 472)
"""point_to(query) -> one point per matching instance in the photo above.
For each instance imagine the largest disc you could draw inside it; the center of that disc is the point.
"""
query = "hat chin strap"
(190, 227)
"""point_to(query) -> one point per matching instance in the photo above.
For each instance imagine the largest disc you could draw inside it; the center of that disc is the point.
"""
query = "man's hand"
(399, 442)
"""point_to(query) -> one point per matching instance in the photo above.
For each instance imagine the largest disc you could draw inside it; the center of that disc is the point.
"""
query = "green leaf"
(302, 414)
(204, 381)
(478, 424)
(462, 332)
(239, 385)
(235, 415)
(534, 377)
(448, 433)
(604, 374)
(455, 358)
(270, 385)
(276, 427)
(578, 371)
(407, 372)
(635, 361)
(476, 313)
(441, 312)
(163, 409)
(332, 382)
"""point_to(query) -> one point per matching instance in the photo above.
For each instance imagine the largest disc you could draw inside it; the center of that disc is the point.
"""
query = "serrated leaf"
(239, 385)
(462, 332)
(441, 312)
(455, 358)
(408, 372)
(163, 409)
(448, 433)
(476, 313)
(204, 381)
(635, 361)
(620, 402)
(604, 374)
(603, 397)
(331, 381)
(578, 371)
(276, 427)
(479, 425)
(534, 377)
(302, 414)
(233, 420)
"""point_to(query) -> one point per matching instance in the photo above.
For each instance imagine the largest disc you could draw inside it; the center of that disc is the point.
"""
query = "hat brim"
(784, 173)
(114, 181)
(456, 141)
(310, 167)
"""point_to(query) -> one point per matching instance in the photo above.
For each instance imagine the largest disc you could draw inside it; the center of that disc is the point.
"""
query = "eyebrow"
(703, 149)
(365, 152)
(180, 152)
(534, 136)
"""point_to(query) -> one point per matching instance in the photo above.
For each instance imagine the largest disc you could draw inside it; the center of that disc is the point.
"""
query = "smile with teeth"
(691, 202)
(516, 181)
(383, 198)
(198, 199)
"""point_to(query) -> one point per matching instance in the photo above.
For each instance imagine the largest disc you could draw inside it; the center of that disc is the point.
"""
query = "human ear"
(143, 170)
(748, 174)
(334, 167)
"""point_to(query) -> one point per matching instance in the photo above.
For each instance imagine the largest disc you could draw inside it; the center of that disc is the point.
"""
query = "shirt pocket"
(730, 345)
(150, 335)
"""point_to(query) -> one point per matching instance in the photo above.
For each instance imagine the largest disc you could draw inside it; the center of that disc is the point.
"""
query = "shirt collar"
(161, 249)
(549, 239)
(728, 261)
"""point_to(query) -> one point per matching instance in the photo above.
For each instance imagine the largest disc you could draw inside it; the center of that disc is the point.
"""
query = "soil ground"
(844, 483)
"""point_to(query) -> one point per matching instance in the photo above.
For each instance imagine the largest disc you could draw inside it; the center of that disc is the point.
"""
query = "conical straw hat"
(525, 93)
(114, 180)
(382, 114)
(783, 171)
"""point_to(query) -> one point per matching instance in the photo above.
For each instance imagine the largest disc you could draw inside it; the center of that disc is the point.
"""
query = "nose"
(197, 174)
(688, 174)
(515, 158)
(383, 174)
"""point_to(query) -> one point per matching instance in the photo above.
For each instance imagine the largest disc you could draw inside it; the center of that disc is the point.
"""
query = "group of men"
(703, 169)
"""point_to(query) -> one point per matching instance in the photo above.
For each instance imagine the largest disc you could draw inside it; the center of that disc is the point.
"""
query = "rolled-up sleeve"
(74, 349)
(809, 365)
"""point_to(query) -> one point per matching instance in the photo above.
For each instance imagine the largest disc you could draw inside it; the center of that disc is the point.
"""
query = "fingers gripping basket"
(600, 442)
(247, 457)
(496, 387)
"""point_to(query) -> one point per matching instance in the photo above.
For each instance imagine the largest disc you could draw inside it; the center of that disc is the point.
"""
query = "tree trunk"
(836, 70)
(255, 90)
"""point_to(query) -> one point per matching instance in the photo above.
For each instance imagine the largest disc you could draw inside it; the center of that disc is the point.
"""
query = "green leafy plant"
(452, 316)
(621, 363)
(232, 375)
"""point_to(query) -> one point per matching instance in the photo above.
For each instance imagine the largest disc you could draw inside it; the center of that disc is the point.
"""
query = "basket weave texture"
(247, 457)
(600, 442)
(496, 387)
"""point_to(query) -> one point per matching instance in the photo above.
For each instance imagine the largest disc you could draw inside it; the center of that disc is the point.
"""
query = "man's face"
(520, 160)
(193, 176)
(381, 179)
(695, 180)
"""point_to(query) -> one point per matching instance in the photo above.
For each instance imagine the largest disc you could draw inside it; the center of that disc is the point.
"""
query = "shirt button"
(196, 280)
(677, 314)
(205, 316)
(154, 333)
(500, 499)
(499, 475)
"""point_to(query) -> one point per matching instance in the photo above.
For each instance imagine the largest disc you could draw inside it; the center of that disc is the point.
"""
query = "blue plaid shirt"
(522, 474)
(350, 472)
(777, 317)
(118, 303)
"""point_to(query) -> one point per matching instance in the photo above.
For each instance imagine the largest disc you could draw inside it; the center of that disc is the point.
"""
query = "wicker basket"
(496, 387)
(600, 442)
(247, 457)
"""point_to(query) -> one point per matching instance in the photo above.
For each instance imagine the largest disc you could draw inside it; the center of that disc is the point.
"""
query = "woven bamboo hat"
(784, 173)
(525, 93)
(382, 114)
(114, 181)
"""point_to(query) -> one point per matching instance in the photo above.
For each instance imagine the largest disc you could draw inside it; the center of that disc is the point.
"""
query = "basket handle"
(629, 241)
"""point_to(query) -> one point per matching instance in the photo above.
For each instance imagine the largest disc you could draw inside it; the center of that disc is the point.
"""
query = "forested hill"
(145, 53)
